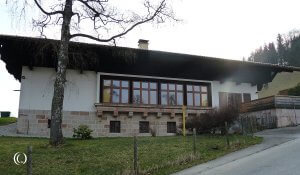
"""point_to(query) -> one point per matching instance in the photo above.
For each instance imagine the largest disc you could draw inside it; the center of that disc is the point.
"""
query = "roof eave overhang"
(34, 52)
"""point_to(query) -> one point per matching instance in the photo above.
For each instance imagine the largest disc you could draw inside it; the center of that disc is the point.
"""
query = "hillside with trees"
(285, 51)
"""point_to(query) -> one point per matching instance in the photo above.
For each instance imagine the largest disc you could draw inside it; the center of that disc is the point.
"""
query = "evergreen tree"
(285, 52)
(281, 50)
(272, 56)
(293, 53)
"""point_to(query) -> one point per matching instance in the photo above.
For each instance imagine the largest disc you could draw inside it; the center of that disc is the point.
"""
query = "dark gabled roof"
(19, 51)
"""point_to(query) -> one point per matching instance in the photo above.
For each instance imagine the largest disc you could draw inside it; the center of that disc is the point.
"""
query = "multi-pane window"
(171, 94)
(144, 92)
(115, 127)
(197, 95)
(171, 127)
(154, 93)
(144, 127)
(115, 91)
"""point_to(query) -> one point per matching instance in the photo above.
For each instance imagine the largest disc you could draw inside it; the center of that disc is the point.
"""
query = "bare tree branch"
(45, 12)
(148, 18)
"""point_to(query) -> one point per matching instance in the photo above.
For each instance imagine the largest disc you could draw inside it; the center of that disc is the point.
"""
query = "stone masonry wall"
(35, 123)
(284, 117)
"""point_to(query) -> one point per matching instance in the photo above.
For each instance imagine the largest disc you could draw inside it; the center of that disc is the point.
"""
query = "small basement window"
(171, 127)
(115, 127)
(144, 127)
(49, 123)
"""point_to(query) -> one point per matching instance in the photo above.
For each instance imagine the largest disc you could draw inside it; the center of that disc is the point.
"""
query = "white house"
(120, 91)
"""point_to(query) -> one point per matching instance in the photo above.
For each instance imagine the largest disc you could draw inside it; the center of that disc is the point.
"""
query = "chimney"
(143, 44)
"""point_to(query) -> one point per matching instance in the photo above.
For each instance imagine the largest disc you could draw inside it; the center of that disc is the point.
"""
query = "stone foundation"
(35, 123)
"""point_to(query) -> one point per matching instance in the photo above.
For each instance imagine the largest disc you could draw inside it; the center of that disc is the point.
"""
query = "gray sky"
(229, 29)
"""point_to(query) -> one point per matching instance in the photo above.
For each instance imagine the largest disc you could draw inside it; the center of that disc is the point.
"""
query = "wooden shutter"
(238, 100)
(247, 97)
(223, 96)
(234, 100)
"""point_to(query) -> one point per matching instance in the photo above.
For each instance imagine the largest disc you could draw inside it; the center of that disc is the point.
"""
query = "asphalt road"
(282, 160)
(279, 154)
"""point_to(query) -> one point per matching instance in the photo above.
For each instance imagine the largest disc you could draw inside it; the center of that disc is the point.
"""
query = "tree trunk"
(56, 136)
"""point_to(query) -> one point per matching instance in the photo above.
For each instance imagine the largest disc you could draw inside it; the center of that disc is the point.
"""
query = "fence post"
(226, 135)
(135, 156)
(242, 125)
(251, 126)
(254, 124)
(261, 123)
(247, 125)
(29, 160)
(194, 140)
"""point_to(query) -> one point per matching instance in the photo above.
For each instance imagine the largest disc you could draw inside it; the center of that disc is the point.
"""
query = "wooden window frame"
(175, 91)
(120, 88)
(193, 92)
(158, 82)
(148, 89)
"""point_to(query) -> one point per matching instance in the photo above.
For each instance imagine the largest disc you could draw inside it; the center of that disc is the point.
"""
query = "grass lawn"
(157, 155)
(7, 120)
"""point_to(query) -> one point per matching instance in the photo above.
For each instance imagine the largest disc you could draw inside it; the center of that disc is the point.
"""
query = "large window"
(155, 92)
(144, 92)
(115, 91)
(171, 94)
(197, 95)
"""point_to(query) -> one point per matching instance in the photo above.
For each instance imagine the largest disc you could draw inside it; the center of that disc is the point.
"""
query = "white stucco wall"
(231, 87)
(82, 90)
(37, 89)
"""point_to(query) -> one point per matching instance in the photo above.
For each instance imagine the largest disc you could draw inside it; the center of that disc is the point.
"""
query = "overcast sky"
(229, 29)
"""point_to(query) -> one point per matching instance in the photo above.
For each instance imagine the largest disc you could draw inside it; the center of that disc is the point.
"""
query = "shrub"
(213, 120)
(82, 132)
(153, 132)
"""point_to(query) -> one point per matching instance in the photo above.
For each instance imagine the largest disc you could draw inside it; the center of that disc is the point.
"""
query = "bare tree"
(106, 23)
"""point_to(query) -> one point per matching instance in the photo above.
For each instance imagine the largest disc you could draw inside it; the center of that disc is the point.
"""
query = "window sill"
(159, 110)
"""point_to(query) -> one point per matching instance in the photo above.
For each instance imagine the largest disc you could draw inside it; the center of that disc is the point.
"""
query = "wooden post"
(261, 126)
(183, 119)
(194, 140)
(226, 135)
(29, 160)
(254, 124)
(242, 125)
(246, 125)
(251, 126)
(27, 127)
(135, 156)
